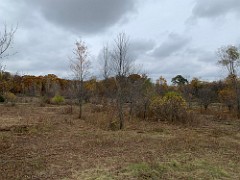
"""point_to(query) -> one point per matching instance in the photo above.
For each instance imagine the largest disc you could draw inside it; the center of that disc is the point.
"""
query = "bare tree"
(121, 66)
(206, 97)
(80, 66)
(104, 62)
(6, 39)
(230, 58)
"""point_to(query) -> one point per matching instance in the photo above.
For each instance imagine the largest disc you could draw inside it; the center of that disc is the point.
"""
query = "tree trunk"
(80, 99)
(145, 111)
(120, 108)
(80, 109)
(131, 110)
(121, 118)
(237, 94)
(120, 103)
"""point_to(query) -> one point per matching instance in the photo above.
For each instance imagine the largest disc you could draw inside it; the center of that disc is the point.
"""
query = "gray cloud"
(203, 56)
(189, 62)
(85, 16)
(41, 50)
(185, 65)
(48, 29)
(215, 8)
(173, 44)
(140, 47)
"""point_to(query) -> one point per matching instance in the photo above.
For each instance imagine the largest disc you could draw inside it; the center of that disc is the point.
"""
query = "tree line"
(124, 87)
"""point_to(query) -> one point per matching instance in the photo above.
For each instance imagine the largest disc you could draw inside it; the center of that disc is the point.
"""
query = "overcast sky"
(167, 37)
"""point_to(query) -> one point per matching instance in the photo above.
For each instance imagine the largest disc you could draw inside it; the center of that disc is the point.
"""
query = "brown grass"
(50, 143)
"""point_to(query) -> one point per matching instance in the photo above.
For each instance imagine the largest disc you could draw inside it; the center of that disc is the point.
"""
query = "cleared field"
(49, 143)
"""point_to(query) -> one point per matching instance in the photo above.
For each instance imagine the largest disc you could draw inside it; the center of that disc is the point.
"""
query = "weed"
(57, 99)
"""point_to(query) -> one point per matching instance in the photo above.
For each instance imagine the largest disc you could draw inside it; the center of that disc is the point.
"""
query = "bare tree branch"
(6, 39)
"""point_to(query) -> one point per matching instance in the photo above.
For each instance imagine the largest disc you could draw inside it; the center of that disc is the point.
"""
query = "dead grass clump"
(69, 121)
(191, 119)
(42, 104)
(101, 142)
(97, 108)
(20, 129)
(45, 100)
(114, 125)
(23, 168)
(41, 128)
(10, 104)
(68, 109)
(5, 142)
(105, 120)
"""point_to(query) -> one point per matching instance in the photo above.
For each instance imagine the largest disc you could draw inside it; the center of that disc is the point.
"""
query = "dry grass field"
(49, 143)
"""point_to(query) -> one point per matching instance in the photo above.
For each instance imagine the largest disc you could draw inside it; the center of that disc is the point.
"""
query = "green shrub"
(57, 99)
(10, 97)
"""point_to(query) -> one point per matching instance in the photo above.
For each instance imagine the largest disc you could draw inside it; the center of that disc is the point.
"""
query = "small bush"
(172, 108)
(10, 97)
(168, 107)
(57, 99)
(20, 129)
(2, 99)
(113, 125)
(45, 100)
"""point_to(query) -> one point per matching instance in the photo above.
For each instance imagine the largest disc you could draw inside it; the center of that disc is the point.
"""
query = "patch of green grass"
(208, 170)
(154, 171)
(93, 174)
(191, 170)
(145, 171)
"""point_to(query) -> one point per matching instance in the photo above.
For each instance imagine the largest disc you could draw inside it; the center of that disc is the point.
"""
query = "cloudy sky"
(167, 37)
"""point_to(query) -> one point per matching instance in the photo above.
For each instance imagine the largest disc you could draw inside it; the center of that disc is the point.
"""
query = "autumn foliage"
(169, 107)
